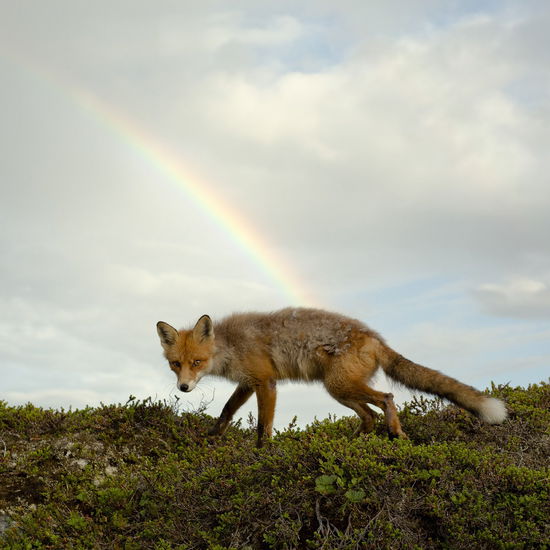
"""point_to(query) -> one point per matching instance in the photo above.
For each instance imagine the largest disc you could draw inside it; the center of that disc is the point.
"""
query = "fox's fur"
(257, 349)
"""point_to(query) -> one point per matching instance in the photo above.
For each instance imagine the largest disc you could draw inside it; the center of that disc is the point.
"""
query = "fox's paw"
(399, 434)
(215, 431)
(364, 429)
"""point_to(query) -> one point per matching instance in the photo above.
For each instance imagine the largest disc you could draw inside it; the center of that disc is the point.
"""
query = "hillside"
(143, 476)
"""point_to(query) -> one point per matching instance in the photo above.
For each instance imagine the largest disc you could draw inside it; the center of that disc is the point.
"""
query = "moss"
(143, 475)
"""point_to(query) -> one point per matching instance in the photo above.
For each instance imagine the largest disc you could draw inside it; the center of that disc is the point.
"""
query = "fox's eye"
(176, 364)
(196, 362)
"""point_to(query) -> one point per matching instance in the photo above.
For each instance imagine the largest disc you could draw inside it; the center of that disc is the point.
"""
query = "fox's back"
(297, 340)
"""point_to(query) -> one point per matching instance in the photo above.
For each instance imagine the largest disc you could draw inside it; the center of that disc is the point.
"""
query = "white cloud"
(418, 101)
(370, 145)
(279, 30)
(520, 298)
(417, 144)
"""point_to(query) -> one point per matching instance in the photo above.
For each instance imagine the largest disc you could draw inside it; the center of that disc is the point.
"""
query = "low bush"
(144, 476)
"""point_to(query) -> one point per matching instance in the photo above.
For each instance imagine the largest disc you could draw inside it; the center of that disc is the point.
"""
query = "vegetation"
(144, 476)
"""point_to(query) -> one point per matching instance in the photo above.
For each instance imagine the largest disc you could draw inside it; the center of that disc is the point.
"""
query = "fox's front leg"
(237, 399)
(266, 393)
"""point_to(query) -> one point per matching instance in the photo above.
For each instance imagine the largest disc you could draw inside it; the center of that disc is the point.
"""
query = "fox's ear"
(167, 334)
(204, 330)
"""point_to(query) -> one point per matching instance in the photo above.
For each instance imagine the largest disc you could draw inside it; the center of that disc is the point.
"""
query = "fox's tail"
(488, 409)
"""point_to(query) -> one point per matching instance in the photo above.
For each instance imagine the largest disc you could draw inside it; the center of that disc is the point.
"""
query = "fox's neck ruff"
(221, 361)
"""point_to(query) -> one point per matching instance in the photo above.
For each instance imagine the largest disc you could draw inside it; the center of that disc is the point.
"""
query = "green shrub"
(143, 475)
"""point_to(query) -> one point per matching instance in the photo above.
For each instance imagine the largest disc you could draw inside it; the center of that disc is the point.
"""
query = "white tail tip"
(492, 411)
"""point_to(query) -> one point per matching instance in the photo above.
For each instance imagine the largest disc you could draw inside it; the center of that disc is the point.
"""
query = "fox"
(256, 350)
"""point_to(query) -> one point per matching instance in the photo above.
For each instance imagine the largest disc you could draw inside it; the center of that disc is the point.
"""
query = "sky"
(162, 160)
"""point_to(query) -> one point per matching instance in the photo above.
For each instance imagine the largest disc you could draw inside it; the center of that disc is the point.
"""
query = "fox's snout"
(186, 385)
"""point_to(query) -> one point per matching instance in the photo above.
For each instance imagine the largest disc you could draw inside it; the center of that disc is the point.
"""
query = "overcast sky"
(393, 156)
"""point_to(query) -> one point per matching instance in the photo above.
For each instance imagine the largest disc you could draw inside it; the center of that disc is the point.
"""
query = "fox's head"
(189, 352)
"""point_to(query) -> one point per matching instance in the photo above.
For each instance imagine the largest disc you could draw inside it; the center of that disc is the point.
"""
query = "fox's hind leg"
(367, 419)
(345, 383)
(365, 413)
(385, 402)
(390, 412)
(237, 399)
(355, 398)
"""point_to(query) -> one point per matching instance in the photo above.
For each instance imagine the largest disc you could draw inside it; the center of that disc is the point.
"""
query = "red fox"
(257, 349)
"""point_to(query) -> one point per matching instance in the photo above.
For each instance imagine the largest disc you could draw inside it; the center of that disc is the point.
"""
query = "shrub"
(143, 475)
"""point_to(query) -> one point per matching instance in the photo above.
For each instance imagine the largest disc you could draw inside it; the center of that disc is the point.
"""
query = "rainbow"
(230, 220)
(165, 162)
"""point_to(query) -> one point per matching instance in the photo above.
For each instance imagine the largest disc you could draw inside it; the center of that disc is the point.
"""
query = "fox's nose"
(184, 387)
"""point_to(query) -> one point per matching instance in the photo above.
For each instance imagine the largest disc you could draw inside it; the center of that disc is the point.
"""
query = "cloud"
(395, 141)
(280, 29)
(370, 147)
(520, 298)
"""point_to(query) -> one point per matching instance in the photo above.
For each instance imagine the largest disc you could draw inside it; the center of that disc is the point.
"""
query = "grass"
(144, 476)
